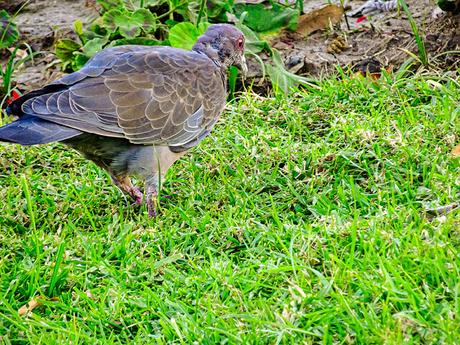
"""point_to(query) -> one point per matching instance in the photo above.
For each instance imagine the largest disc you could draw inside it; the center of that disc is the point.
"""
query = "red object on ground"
(14, 96)
(360, 19)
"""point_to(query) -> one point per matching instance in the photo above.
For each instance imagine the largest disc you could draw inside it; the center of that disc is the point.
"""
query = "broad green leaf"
(262, 19)
(79, 61)
(110, 19)
(144, 19)
(130, 24)
(108, 5)
(65, 48)
(253, 43)
(188, 10)
(94, 46)
(8, 30)
(78, 28)
(217, 9)
(96, 30)
(184, 35)
(282, 79)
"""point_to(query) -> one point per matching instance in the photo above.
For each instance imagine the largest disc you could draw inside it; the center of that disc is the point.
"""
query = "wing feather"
(149, 95)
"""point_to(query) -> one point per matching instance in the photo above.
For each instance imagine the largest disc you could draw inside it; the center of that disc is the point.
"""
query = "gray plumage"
(134, 110)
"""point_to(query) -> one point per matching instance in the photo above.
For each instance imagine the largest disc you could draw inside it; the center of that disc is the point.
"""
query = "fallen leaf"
(338, 45)
(34, 303)
(29, 306)
(456, 151)
(319, 19)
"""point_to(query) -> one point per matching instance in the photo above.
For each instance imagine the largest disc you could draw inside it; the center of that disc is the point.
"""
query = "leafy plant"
(422, 53)
(8, 30)
(130, 24)
(9, 35)
(179, 23)
(6, 73)
(281, 79)
(184, 35)
(256, 16)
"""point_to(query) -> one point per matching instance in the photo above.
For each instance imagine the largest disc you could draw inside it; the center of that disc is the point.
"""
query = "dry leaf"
(31, 305)
(338, 45)
(456, 151)
(34, 303)
(319, 19)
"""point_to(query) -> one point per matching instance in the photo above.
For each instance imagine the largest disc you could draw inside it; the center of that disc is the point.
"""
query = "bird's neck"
(211, 52)
(207, 49)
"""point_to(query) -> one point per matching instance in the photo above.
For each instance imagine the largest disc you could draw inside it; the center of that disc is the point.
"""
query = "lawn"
(301, 219)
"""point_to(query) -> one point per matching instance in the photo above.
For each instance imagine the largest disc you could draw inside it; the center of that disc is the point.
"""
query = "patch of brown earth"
(383, 39)
(40, 23)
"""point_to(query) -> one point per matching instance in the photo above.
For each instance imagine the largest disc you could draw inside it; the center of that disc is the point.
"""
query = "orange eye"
(240, 43)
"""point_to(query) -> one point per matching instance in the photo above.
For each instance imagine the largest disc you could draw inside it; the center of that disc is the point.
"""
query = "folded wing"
(148, 95)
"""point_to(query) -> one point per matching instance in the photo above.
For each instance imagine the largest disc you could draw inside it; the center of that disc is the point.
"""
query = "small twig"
(342, 2)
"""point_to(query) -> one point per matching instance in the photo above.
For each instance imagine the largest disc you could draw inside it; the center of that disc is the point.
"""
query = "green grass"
(300, 220)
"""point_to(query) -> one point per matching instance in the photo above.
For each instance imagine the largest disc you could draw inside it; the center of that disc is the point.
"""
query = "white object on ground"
(373, 7)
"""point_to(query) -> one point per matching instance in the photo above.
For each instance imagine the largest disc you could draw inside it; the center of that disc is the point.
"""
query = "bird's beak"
(241, 64)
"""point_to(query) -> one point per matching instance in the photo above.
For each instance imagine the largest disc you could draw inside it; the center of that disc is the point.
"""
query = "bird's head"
(224, 44)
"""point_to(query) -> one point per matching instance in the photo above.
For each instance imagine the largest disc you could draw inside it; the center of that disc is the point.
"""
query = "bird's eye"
(240, 43)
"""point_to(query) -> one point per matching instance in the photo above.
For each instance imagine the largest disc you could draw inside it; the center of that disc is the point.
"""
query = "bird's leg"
(163, 158)
(151, 186)
(137, 195)
(124, 183)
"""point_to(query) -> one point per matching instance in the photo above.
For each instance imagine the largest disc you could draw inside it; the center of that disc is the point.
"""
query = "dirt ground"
(41, 23)
(381, 39)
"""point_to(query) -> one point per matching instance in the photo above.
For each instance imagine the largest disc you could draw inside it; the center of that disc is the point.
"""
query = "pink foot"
(137, 195)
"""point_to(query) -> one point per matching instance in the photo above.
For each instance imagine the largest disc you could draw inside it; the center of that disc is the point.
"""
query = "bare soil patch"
(378, 41)
(384, 38)
(41, 23)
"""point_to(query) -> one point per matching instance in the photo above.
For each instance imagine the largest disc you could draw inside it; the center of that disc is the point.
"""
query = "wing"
(149, 95)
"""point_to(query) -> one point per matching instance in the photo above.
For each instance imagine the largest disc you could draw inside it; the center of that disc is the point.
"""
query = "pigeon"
(134, 110)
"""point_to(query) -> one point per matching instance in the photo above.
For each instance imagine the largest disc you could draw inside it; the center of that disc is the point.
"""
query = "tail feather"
(30, 130)
(15, 108)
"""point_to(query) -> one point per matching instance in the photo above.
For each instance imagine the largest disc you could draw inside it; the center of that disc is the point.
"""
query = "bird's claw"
(137, 195)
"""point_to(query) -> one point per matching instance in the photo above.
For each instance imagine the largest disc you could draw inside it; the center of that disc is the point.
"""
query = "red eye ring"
(240, 43)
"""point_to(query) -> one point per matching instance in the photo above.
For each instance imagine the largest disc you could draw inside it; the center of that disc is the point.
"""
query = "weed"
(422, 53)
